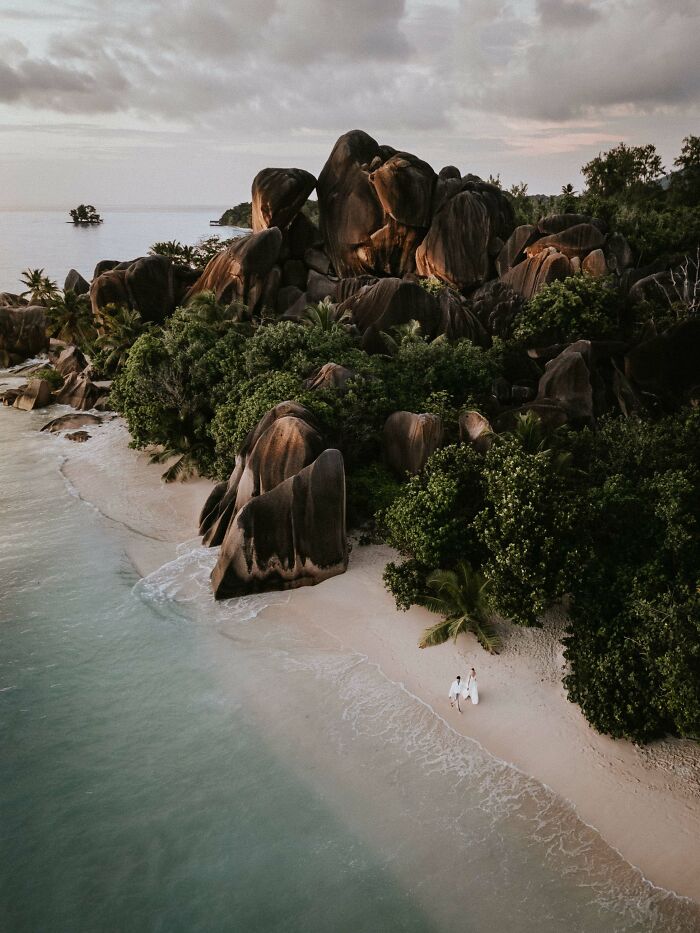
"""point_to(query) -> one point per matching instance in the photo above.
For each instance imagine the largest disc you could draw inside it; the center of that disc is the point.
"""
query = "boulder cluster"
(78, 390)
(280, 518)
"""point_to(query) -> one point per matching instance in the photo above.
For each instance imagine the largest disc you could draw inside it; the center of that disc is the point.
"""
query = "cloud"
(271, 67)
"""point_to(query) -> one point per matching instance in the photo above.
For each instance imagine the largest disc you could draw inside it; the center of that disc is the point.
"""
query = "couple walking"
(468, 690)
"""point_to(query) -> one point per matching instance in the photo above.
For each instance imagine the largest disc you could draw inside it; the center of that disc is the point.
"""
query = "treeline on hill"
(242, 214)
(603, 519)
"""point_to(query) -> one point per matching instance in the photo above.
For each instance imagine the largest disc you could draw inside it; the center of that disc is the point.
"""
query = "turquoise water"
(43, 239)
(169, 764)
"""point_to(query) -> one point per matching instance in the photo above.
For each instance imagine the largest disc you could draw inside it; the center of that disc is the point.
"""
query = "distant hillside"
(241, 214)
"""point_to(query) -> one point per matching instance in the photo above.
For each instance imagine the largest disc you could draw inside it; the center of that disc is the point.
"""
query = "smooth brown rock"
(284, 441)
(278, 195)
(513, 250)
(387, 303)
(74, 282)
(245, 271)
(37, 394)
(22, 333)
(575, 241)
(71, 360)
(455, 248)
(329, 376)
(404, 185)
(458, 320)
(476, 430)
(557, 223)
(79, 437)
(78, 391)
(567, 381)
(71, 422)
(292, 536)
(409, 440)
(10, 300)
(595, 264)
(152, 285)
(528, 277)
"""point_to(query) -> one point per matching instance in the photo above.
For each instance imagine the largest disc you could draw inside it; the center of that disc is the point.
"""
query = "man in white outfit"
(455, 691)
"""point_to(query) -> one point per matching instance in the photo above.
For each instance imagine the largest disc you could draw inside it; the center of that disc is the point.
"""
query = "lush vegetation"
(85, 214)
(242, 214)
(602, 520)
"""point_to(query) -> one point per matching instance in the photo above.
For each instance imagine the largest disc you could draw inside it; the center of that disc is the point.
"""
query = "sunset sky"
(181, 103)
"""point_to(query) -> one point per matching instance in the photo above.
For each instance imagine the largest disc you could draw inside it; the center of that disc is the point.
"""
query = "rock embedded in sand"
(292, 536)
(78, 436)
(71, 422)
(37, 394)
(409, 439)
(71, 360)
(78, 391)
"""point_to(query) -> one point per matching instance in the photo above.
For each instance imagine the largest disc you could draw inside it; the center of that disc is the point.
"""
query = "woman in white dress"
(471, 689)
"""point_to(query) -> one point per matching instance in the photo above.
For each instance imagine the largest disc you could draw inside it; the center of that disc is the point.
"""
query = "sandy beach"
(645, 802)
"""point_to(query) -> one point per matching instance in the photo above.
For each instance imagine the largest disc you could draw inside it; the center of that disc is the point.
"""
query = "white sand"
(645, 802)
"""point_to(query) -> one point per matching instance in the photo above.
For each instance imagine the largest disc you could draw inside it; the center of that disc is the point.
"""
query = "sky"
(155, 103)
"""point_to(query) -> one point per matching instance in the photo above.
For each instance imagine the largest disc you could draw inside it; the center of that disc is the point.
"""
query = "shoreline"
(643, 801)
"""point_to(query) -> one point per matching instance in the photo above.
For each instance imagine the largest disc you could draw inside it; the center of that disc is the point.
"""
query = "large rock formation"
(152, 285)
(529, 276)
(246, 271)
(79, 391)
(22, 333)
(409, 440)
(284, 441)
(71, 422)
(74, 282)
(71, 360)
(278, 196)
(577, 241)
(292, 536)
(381, 306)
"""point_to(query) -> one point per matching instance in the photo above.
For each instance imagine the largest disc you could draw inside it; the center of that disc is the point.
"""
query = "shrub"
(54, 378)
(568, 310)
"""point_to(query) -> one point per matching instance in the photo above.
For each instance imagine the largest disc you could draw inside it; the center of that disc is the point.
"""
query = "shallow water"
(44, 240)
(170, 764)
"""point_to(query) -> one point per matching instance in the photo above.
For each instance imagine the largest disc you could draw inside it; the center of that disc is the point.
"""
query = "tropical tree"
(459, 596)
(121, 326)
(85, 214)
(39, 286)
(187, 453)
(539, 441)
(69, 317)
(621, 169)
(402, 334)
(326, 315)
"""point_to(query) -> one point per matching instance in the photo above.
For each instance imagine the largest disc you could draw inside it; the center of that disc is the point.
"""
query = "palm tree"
(121, 326)
(541, 442)
(401, 334)
(206, 308)
(187, 453)
(326, 315)
(69, 317)
(458, 596)
(39, 286)
(85, 214)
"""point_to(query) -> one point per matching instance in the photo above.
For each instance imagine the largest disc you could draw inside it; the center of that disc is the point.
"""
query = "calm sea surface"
(43, 239)
(169, 764)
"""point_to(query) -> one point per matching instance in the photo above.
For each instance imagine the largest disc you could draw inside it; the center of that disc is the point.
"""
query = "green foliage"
(431, 520)
(239, 216)
(69, 317)
(458, 596)
(250, 400)
(193, 257)
(326, 316)
(432, 285)
(564, 311)
(120, 328)
(622, 169)
(370, 489)
(54, 378)
(40, 287)
(528, 525)
(287, 347)
(634, 616)
(85, 214)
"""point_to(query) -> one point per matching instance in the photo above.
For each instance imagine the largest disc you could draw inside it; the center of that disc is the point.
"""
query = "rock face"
(76, 283)
(284, 441)
(497, 305)
(474, 429)
(387, 303)
(152, 285)
(528, 277)
(278, 196)
(513, 250)
(79, 392)
(37, 394)
(409, 440)
(329, 376)
(71, 360)
(246, 271)
(71, 422)
(466, 235)
(292, 536)
(575, 241)
(22, 333)
(595, 264)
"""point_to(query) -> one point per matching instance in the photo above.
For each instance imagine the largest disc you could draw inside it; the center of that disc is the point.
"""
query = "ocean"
(45, 240)
(171, 764)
